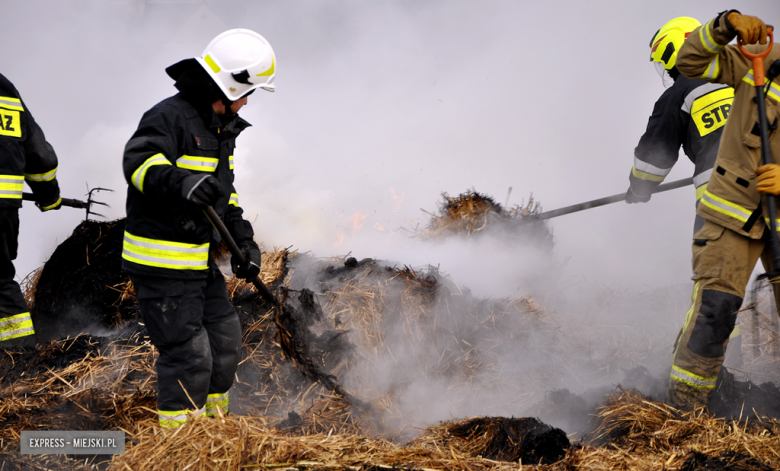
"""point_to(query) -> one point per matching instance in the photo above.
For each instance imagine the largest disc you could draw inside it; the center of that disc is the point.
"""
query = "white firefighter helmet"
(239, 61)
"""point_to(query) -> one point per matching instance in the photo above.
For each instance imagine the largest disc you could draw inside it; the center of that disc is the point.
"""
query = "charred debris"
(379, 331)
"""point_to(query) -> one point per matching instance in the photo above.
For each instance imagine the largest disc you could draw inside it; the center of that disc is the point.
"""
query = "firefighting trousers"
(723, 262)
(16, 327)
(198, 336)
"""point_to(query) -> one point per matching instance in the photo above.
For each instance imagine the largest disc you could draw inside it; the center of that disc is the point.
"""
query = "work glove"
(749, 28)
(52, 205)
(768, 179)
(252, 268)
(632, 197)
(203, 189)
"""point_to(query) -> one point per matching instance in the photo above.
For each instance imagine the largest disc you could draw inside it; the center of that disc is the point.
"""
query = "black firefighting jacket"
(691, 114)
(24, 153)
(165, 235)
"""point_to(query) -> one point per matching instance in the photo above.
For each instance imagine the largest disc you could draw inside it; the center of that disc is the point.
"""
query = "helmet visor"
(666, 79)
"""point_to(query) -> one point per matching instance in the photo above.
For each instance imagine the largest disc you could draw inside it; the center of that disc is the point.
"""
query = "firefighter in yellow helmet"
(734, 234)
(690, 114)
(179, 159)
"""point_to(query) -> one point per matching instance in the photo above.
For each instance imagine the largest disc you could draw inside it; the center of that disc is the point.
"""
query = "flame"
(357, 224)
(396, 200)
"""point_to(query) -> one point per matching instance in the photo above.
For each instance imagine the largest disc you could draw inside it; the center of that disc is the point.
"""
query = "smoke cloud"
(380, 108)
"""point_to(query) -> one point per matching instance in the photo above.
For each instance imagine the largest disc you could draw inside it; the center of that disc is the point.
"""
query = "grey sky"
(376, 99)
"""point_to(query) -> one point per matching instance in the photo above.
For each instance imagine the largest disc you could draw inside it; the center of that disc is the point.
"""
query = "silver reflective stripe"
(709, 199)
(645, 167)
(699, 92)
(140, 173)
(233, 199)
(167, 248)
(178, 418)
(216, 398)
(749, 78)
(11, 103)
(694, 380)
(18, 181)
(149, 258)
(12, 333)
(41, 177)
(206, 164)
(712, 69)
(702, 178)
(11, 192)
(15, 320)
(707, 41)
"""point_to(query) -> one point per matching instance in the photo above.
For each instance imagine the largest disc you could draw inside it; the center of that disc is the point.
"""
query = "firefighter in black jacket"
(181, 157)
(690, 113)
(25, 156)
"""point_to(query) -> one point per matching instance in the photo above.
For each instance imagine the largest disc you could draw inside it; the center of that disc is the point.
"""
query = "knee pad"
(714, 323)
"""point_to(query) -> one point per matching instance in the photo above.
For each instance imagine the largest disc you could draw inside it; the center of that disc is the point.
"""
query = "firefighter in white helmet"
(179, 159)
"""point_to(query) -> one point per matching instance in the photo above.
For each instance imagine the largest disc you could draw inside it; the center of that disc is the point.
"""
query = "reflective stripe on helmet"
(215, 402)
(230, 160)
(18, 325)
(707, 40)
(11, 103)
(11, 186)
(691, 379)
(645, 171)
(201, 164)
(140, 173)
(41, 177)
(165, 254)
(725, 207)
(233, 199)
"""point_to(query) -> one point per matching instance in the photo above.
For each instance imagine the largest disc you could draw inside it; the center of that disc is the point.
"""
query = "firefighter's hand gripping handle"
(758, 59)
(233, 247)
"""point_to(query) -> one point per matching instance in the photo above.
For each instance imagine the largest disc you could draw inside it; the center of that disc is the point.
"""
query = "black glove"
(52, 205)
(252, 268)
(204, 189)
(632, 197)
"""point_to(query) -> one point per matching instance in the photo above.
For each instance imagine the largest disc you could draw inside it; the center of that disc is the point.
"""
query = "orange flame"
(396, 200)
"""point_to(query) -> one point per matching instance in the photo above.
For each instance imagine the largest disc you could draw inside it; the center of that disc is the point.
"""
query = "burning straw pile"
(407, 345)
(472, 214)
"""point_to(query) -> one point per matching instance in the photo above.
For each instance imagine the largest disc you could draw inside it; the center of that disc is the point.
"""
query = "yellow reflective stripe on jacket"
(217, 401)
(725, 207)
(708, 41)
(711, 110)
(689, 314)
(41, 177)
(165, 254)
(11, 103)
(140, 173)
(233, 199)
(18, 325)
(647, 171)
(11, 186)
(771, 89)
(713, 70)
(230, 159)
(691, 379)
(201, 164)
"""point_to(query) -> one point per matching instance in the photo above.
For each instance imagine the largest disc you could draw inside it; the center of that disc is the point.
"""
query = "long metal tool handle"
(766, 154)
(65, 201)
(265, 293)
(606, 200)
